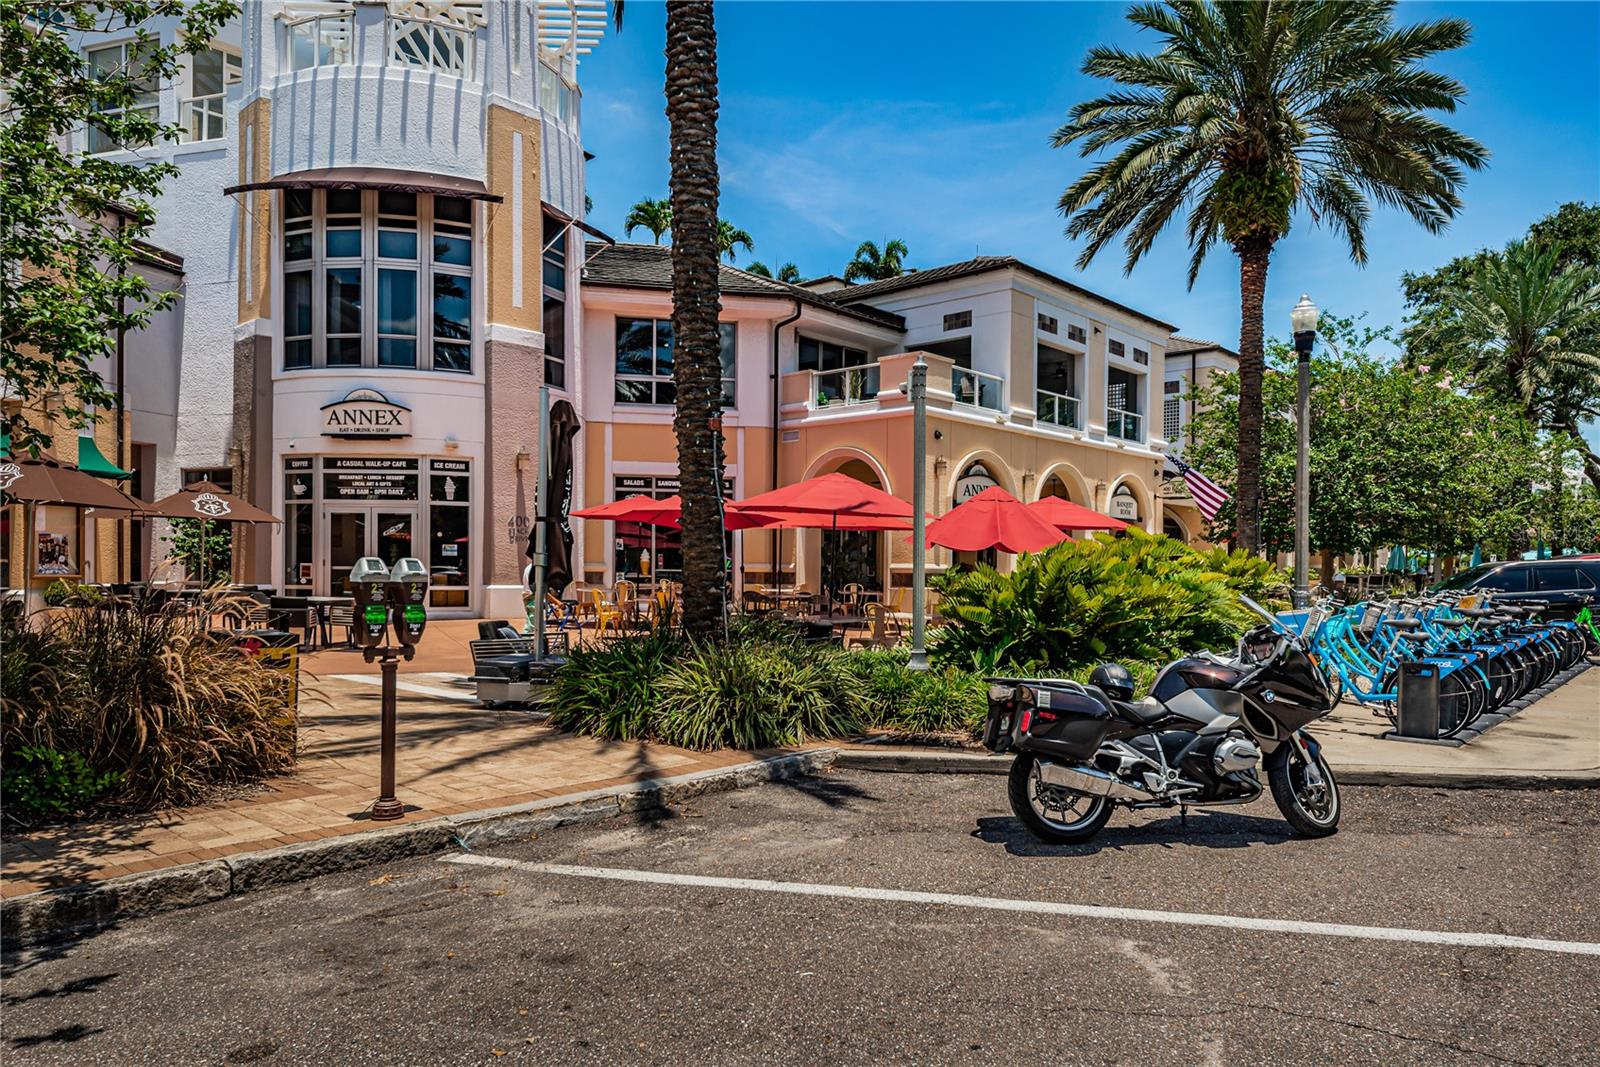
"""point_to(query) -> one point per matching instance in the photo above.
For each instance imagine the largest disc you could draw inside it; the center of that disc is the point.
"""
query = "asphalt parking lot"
(879, 918)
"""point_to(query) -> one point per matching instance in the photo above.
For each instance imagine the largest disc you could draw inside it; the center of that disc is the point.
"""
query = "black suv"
(1566, 582)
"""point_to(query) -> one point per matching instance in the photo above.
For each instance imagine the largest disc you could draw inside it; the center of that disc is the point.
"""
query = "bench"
(503, 668)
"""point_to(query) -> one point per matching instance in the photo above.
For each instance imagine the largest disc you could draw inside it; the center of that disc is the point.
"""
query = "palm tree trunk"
(697, 364)
(1253, 256)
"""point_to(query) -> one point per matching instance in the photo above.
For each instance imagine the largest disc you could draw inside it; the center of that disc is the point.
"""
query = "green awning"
(92, 461)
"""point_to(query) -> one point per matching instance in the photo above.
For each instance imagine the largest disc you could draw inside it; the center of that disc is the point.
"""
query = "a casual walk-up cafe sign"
(365, 413)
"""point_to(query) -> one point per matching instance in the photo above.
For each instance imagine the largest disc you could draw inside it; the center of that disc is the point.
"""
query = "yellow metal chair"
(606, 615)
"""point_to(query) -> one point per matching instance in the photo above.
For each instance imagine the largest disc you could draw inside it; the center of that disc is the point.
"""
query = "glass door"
(392, 535)
(347, 542)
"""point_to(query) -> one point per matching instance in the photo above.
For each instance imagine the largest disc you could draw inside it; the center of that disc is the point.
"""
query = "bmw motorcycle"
(1199, 739)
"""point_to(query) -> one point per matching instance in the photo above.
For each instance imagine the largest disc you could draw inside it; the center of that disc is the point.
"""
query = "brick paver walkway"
(453, 757)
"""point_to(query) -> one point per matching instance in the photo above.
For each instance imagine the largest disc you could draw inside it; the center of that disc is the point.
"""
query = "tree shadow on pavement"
(1202, 829)
(831, 792)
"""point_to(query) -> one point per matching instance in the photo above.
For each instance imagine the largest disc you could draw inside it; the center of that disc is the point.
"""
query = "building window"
(652, 553)
(1048, 323)
(1076, 333)
(1171, 410)
(221, 477)
(555, 304)
(322, 41)
(825, 355)
(1057, 377)
(1123, 418)
(212, 74)
(1116, 348)
(644, 362)
(1141, 357)
(355, 274)
(449, 532)
(958, 320)
(129, 59)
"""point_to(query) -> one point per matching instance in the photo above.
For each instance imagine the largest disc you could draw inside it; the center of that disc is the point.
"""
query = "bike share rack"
(1419, 713)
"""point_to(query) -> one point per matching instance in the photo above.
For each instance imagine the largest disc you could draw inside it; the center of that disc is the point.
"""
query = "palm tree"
(1529, 331)
(691, 90)
(652, 215)
(786, 273)
(1247, 112)
(730, 237)
(872, 265)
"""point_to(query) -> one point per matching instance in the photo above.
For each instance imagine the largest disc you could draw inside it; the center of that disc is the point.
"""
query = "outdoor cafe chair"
(560, 613)
(606, 615)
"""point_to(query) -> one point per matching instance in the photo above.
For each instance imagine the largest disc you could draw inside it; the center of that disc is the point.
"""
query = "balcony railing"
(1058, 409)
(202, 118)
(846, 385)
(974, 388)
(432, 45)
(1128, 425)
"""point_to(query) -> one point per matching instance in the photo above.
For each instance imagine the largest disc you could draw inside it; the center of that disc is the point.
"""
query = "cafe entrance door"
(354, 531)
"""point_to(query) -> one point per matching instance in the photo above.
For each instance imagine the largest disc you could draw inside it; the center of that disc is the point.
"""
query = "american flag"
(1208, 495)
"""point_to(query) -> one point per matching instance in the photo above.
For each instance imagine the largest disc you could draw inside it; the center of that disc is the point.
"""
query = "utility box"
(1417, 705)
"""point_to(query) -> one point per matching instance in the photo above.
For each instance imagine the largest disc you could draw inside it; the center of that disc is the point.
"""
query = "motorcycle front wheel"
(1051, 813)
(1306, 793)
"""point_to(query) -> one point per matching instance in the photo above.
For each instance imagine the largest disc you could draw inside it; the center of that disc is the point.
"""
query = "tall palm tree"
(1246, 113)
(1529, 331)
(871, 264)
(691, 90)
(652, 215)
(730, 237)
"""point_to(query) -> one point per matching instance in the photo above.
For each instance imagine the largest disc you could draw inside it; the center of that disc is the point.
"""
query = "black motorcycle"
(1197, 740)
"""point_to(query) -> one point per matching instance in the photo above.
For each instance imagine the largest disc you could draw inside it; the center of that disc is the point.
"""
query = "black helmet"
(1113, 680)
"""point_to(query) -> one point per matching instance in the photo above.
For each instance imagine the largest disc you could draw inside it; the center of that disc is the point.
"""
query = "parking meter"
(369, 579)
(408, 597)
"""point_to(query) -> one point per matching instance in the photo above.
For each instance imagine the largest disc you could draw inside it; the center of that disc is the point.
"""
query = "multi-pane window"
(555, 303)
(1141, 356)
(824, 355)
(1048, 323)
(212, 74)
(357, 266)
(1172, 410)
(1116, 348)
(958, 320)
(644, 362)
(1076, 333)
(323, 41)
(128, 59)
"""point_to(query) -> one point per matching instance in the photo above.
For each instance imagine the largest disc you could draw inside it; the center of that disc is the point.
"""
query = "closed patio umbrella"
(1064, 514)
(1477, 556)
(993, 519)
(1397, 561)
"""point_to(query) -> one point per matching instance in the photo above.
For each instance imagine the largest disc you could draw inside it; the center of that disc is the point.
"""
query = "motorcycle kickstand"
(1183, 816)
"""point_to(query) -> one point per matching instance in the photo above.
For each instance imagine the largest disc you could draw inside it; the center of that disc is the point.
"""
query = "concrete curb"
(51, 914)
(912, 762)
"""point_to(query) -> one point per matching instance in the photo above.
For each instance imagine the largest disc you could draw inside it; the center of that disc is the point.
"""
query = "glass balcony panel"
(846, 385)
(977, 389)
(1127, 425)
(1058, 409)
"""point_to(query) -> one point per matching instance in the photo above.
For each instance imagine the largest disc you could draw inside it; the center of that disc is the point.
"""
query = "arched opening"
(854, 557)
(973, 479)
(1054, 486)
(1174, 529)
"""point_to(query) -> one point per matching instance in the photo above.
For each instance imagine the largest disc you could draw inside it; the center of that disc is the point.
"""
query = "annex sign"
(365, 413)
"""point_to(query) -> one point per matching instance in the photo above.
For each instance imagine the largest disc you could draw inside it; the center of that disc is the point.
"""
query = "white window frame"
(153, 109)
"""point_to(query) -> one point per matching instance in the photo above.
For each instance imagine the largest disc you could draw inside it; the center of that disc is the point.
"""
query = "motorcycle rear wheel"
(1033, 801)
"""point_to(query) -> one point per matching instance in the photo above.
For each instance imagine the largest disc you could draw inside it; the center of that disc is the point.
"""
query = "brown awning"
(561, 216)
(397, 181)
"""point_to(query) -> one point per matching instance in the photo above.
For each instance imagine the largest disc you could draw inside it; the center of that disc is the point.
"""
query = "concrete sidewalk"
(453, 758)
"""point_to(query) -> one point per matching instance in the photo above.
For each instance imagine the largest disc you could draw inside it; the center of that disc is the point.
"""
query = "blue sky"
(931, 121)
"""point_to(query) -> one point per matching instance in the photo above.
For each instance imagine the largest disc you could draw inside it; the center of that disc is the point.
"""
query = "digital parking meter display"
(408, 600)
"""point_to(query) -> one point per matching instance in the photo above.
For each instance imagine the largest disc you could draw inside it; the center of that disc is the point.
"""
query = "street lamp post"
(918, 392)
(1303, 321)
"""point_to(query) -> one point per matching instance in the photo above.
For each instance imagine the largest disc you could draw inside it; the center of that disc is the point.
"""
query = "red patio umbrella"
(993, 519)
(648, 511)
(1064, 514)
(617, 509)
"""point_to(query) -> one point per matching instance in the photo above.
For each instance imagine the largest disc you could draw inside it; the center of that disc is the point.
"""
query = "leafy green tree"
(202, 547)
(872, 264)
(730, 237)
(74, 222)
(1246, 113)
(1397, 457)
(652, 215)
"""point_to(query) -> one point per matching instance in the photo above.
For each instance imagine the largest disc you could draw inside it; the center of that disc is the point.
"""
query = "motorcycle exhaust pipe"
(1089, 780)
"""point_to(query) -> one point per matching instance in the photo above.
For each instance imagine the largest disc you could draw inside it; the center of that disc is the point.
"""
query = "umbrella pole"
(30, 545)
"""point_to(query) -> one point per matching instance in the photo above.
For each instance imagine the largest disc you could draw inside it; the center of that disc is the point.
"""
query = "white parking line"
(1044, 907)
(410, 687)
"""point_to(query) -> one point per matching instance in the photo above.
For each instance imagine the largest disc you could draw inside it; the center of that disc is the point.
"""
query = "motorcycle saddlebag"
(1065, 720)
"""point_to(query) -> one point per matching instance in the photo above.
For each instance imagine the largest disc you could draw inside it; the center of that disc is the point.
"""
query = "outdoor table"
(321, 606)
